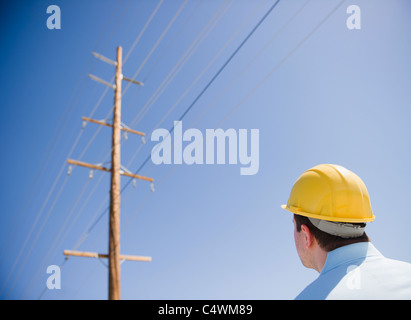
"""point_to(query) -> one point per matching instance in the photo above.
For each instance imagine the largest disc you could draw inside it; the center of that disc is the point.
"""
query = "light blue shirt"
(360, 271)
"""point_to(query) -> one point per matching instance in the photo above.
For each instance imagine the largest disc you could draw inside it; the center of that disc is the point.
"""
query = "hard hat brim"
(320, 217)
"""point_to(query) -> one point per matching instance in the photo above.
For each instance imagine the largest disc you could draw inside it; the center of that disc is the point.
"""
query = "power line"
(212, 79)
(200, 75)
(157, 43)
(237, 77)
(54, 245)
(33, 242)
(53, 186)
(58, 133)
(210, 63)
(171, 43)
(123, 93)
(177, 35)
(281, 62)
(94, 223)
(183, 59)
(142, 31)
(184, 114)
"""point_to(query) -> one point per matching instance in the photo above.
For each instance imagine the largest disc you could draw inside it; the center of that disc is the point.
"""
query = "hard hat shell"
(330, 192)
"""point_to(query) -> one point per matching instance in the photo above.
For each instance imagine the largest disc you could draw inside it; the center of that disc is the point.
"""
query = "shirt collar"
(348, 254)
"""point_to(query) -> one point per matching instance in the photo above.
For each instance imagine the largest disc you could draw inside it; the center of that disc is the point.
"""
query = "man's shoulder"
(373, 278)
(399, 264)
(387, 267)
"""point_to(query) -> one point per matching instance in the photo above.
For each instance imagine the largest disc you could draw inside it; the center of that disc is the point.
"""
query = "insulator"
(125, 135)
(70, 169)
(152, 187)
(134, 183)
(143, 139)
(84, 124)
(90, 175)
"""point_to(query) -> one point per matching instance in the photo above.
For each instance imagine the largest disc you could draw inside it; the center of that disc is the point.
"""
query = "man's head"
(330, 205)
(312, 243)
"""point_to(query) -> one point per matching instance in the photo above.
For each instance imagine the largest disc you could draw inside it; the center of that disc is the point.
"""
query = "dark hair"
(326, 241)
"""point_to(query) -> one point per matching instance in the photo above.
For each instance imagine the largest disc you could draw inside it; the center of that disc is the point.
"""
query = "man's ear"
(308, 236)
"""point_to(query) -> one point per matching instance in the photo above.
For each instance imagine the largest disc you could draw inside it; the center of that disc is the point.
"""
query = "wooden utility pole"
(114, 273)
(114, 256)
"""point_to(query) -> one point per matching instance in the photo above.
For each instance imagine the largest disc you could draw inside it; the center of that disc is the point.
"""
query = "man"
(331, 207)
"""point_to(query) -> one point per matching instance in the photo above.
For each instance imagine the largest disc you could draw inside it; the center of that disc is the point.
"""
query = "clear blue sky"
(341, 97)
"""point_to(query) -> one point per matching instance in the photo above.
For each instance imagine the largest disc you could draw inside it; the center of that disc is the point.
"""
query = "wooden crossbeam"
(109, 125)
(102, 81)
(133, 81)
(97, 167)
(105, 59)
(100, 255)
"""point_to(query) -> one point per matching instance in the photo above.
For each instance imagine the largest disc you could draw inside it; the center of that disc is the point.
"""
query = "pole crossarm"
(97, 167)
(133, 81)
(113, 86)
(124, 128)
(105, 59)
(100, 255)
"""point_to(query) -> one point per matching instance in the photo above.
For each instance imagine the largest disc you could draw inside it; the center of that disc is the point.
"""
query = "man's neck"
(319, 258)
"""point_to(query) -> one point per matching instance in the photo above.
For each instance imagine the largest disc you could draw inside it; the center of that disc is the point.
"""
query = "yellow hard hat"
(330, 192)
